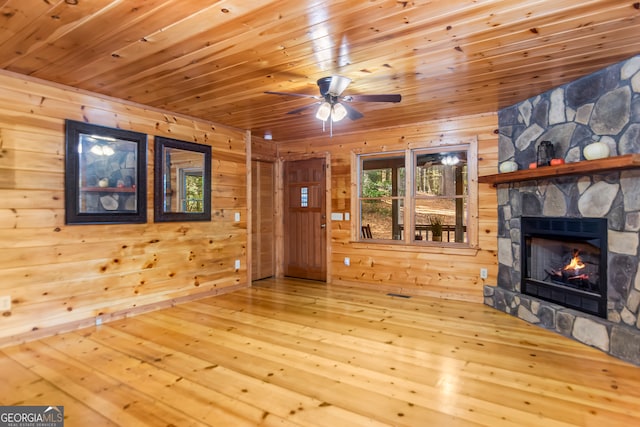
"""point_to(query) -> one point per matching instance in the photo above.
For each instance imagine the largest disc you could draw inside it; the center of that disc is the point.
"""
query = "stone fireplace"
(599, 307)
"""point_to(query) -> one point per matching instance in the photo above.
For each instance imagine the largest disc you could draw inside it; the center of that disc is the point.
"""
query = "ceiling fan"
(332, 104)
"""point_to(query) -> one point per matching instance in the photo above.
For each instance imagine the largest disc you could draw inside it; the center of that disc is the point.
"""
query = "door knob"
(323, 225)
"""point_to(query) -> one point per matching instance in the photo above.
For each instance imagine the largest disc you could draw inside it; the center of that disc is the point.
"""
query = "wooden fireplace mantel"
(627, 161)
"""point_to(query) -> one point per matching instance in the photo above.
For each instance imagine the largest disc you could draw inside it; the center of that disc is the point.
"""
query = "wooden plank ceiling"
(215, 59)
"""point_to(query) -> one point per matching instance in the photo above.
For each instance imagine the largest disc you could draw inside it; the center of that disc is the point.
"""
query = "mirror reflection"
(105, 175)
(182, 181)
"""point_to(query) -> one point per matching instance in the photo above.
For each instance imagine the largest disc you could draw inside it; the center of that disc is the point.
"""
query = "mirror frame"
(160, 143)
(77, 166)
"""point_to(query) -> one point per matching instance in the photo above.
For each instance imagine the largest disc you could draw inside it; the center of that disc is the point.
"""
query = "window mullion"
(409, 199)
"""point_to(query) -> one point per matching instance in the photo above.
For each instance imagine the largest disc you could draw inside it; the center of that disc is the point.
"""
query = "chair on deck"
(366, 232)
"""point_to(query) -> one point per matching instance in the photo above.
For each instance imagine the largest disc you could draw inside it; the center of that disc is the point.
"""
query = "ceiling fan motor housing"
(324, 83)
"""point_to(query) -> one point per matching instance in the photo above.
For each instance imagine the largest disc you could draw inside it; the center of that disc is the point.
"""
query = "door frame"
(280, 207)
(256, 209)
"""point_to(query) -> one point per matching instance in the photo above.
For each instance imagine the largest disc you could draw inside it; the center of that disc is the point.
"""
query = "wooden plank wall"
(61, 277)
(261, 149)
(445, 273)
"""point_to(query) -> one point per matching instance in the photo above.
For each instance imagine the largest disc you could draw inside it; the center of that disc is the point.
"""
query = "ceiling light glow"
(324, 111)
(339, 112)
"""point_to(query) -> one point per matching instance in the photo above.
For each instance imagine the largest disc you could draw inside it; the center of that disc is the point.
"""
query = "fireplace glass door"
(564, 261)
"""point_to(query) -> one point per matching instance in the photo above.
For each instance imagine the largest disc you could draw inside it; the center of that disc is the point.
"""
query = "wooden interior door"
(305, 218)
(263, 245)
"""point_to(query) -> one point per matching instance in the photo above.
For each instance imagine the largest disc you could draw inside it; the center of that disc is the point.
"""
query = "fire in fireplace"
(564, 260)
(575, 273)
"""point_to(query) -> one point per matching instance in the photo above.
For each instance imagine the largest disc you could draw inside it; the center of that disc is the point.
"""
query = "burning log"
(554, 273)
(571, 278)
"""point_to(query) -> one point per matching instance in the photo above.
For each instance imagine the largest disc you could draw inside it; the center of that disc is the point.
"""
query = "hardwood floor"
(291, 352)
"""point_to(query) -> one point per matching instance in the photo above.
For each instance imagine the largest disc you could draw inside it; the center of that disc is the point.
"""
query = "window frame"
(409, 199)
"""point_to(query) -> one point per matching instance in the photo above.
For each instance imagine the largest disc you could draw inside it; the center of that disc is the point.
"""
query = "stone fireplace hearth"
(604, 106)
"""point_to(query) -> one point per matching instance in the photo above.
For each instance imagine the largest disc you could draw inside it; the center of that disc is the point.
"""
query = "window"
(382, 193)
(440, 196)
(438, 201)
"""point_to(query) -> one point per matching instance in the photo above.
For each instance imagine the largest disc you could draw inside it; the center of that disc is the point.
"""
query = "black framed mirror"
(105, 175)
(182, 181)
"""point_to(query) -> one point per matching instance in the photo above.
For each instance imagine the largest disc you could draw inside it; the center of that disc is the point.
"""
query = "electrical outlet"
(484, 273)
(98, 321)
(237, 264)
(237, 216)
(347, 261)
(5, 303)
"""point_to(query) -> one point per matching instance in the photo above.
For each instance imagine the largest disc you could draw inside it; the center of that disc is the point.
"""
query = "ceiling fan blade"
(301, 109)
(373, 98)
(338, 85)
(352, 113)
(300, 95)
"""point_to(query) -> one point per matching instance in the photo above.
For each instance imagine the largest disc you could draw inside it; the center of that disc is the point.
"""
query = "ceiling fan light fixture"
(331, 100)
(324, 111)
(102, 150)
(450, 160)
(338, 85)
(339, 112)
